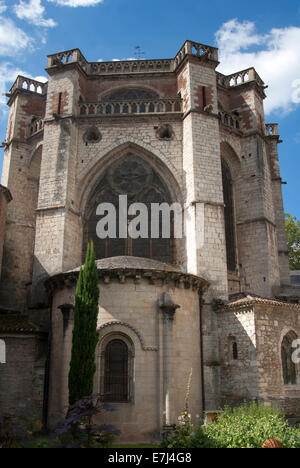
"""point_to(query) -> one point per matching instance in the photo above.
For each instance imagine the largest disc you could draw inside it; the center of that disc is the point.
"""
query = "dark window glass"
(288, 366)
(116, 371)
(229, 217)
(134, 177)
(235, 351)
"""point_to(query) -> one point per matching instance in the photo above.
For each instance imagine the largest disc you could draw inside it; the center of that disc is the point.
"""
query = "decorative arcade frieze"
(144, 106)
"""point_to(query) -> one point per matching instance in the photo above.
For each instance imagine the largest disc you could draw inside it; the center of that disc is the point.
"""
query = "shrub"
(78, 430)
(18, 432)
(247, 426)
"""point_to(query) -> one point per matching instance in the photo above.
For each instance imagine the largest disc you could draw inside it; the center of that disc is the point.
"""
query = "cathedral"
(217, 300)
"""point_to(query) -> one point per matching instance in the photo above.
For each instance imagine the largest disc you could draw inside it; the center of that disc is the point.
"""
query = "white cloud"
(129, 59)
(41, 79)
(8, 74)
(3, 7)
(12, 39)
(76, 3)
(33, 12)
(275, 56)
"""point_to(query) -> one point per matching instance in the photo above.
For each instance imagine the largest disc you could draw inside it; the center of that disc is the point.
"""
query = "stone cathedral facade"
(217, 301)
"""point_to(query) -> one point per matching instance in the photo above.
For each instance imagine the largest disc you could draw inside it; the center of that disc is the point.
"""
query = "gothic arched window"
(288, 366)
(229, 216)
(116, 375)
(132, 176)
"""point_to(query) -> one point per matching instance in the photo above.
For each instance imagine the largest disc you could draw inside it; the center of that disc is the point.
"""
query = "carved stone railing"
(133, 66)
(272, 130)
(66, 57)
(144, 106)
(29, 84)
(36, 126)
(230, 119)
(197, 49)
(238, 78)
(129, 66)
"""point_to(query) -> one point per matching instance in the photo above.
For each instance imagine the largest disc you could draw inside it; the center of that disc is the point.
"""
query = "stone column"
(67, 311)
(168, 309)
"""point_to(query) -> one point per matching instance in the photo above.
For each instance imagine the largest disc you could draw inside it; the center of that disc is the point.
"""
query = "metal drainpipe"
(201, 353)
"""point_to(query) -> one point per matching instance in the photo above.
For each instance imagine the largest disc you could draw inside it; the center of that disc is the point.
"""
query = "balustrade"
(29, 85)
(145, 106)
(241, 77)
(229, 119)
(133, 66)
(36, 126)
(272, 130)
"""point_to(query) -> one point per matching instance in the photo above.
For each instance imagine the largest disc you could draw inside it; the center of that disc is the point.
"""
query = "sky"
(265, 35)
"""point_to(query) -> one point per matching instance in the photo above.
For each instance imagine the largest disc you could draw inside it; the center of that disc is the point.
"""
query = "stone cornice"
(165, 274)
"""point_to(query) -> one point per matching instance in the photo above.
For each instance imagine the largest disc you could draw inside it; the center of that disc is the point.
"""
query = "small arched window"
(116, 371)
(288, 366)
(2, 352)
(229, 216)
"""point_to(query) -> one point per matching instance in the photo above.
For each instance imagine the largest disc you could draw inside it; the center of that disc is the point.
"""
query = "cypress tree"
(85, 336)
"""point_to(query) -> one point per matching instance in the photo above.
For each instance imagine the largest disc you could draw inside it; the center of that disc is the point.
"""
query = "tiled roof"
(16, 323)
(249, 299)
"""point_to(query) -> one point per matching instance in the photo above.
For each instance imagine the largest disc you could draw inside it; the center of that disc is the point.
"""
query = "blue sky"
(265, 35)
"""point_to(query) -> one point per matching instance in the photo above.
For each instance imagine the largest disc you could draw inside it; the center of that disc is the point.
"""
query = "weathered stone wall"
(21, 170)
(239, 377)
(23, 183)
(22, 377)
(5, 198)
(258, 331)
(272, 324)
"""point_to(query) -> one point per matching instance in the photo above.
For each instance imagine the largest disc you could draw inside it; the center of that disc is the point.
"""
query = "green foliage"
(250, 426)
(19, 432)
(242, 427)
(292, 227)
(85, 336)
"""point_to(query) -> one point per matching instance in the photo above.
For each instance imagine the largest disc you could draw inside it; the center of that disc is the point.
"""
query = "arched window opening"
(132, 176)
(229, 216)
(288, 366)
(235, 354)
(116, 371)
(2, 352)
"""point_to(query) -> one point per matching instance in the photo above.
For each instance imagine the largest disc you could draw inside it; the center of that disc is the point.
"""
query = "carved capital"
(167, 305)
(67, 311)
